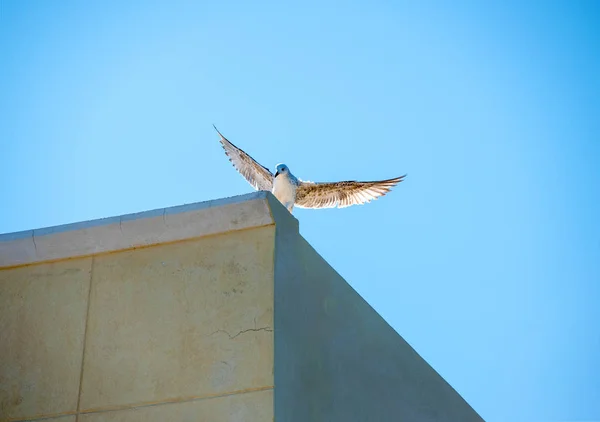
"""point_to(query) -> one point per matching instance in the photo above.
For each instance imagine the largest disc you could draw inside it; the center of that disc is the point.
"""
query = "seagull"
(293, 192)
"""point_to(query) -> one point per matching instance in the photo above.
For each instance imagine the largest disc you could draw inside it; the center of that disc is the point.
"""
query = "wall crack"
(34, 244)
(231, 337)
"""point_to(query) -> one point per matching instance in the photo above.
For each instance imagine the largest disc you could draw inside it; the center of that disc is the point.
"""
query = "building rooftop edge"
(141, 229)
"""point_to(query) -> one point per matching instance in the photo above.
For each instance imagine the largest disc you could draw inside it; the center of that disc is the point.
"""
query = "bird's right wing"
(257, 175)
(342, 194)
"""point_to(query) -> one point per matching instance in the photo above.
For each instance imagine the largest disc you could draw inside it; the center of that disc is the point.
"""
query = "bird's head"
(281, 169)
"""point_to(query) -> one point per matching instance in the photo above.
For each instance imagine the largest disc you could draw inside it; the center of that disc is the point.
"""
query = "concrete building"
(216, 311)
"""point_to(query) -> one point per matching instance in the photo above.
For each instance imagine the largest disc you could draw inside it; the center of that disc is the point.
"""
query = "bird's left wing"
(341, 194)
(257, 175)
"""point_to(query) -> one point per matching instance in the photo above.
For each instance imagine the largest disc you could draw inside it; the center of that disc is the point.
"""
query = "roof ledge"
(142, 229)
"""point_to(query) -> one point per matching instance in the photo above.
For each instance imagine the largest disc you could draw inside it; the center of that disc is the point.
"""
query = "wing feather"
(257, 175)
(342, 194)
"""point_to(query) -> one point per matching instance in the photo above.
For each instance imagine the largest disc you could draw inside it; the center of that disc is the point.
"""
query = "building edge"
(142, 229)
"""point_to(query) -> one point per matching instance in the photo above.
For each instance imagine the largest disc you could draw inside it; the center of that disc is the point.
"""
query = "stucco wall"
(42, 324)
(337, 360)
(175, 331)
(217, 311)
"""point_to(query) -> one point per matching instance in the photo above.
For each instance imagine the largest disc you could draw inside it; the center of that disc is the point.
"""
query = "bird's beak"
(276, 173)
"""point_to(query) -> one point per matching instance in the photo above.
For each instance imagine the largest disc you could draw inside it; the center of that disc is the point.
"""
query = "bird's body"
(291, 191)
(284, 189)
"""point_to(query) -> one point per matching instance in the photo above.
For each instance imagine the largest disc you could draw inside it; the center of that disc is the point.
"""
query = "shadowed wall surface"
(212, 311)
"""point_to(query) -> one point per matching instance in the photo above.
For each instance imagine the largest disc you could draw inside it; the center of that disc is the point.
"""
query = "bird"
(293, 192)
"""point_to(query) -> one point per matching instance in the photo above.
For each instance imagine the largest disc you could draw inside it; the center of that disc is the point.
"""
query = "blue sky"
(486, 259)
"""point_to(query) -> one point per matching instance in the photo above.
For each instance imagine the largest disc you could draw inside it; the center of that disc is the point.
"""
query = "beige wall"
(217, 311)
(337, 360)
(170, 332)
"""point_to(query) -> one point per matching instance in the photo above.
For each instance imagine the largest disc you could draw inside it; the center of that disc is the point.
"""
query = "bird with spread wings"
(293, 192)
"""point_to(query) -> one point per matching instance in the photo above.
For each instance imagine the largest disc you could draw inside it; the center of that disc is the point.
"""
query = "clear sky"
(486, 259)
